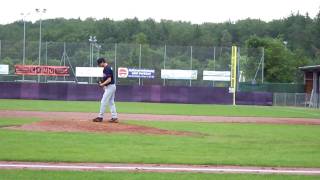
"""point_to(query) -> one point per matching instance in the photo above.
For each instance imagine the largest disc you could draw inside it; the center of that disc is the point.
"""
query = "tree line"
(288, 42)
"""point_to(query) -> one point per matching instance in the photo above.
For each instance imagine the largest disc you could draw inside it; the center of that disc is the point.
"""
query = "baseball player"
(109, 87)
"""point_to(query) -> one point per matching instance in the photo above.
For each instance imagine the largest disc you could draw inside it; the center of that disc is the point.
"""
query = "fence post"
(305, 99)
(115, 63)
(214, 62)
(24, 46)
(164, 62)
(238, 69)
(190, 64)
(0, 48)
(45, 77)
(140, 64)
(285, 99)
(318, 100)
(295, 99)
(64, 58)
(262, 66)
(89, 78)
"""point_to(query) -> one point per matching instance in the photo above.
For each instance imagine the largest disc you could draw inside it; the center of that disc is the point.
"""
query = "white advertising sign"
(179, 74)
(4, 69)
(89, 71)
(216, 75)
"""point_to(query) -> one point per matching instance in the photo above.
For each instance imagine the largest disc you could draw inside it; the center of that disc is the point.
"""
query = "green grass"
(224, 144)
(79, 175)
(16, 121)
(156, 108)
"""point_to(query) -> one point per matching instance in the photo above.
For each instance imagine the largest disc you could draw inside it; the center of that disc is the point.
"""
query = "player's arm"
(105, 82)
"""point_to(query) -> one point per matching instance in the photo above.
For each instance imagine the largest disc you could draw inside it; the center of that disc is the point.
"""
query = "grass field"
(220, 144)
(16, 121)
(156, 108)
(53, 175)
(223, 144)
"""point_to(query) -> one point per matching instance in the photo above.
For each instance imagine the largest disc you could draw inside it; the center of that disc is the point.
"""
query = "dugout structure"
(311, 81)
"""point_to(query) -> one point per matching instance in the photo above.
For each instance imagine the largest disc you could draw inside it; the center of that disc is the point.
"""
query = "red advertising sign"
(42, 70)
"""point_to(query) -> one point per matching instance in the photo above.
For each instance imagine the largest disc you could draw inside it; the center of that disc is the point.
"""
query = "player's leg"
(112, 105)
(105, 99)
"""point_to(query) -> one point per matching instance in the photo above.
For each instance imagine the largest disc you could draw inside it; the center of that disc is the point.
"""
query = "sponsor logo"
(123, 72)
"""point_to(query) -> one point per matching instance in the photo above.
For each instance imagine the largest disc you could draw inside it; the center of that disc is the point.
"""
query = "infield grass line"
(162, 108)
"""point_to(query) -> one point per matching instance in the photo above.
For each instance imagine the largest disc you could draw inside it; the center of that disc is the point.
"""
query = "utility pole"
(41, 12)
(24, 15)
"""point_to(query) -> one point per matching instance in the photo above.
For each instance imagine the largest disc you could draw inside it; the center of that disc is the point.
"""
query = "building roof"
(310, 68)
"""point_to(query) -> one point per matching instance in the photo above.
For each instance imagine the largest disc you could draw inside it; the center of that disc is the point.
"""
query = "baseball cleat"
(97, 119)
(113, 120)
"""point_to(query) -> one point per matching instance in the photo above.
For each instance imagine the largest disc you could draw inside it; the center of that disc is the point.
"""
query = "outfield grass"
(16, 121)
(79, 175)
(156, 108)
(223, 144)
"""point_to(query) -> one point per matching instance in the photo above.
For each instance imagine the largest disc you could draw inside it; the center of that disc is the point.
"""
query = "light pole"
(98, 46)
(285, 44)
(41, 12)
(92, 41)
(24, 15)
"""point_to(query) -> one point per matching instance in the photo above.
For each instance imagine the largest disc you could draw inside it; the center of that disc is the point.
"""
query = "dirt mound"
(88, 126)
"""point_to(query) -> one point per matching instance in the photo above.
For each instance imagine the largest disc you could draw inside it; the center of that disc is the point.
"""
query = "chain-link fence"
(156, 57)
(296, 100)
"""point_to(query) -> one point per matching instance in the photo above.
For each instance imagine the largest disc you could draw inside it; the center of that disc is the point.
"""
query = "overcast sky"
(195, 11)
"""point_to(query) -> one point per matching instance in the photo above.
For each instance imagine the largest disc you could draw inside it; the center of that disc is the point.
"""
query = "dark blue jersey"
(108, 72)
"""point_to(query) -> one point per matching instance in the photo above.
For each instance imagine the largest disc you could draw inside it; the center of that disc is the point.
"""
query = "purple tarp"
(155, 93)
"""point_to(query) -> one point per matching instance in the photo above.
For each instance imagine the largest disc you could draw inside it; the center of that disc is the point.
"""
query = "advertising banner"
(124, 72)
(216, 75)
(4, 69)
(179, 74)
(89, 71)
(42, 70)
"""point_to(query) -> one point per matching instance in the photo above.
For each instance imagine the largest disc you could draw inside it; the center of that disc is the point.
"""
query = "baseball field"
(42, 139)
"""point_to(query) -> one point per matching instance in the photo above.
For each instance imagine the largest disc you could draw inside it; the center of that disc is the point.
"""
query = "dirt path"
(150, 117)
(157, 168)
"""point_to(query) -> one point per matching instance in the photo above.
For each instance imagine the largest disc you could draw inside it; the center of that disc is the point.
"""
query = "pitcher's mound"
(88, 126)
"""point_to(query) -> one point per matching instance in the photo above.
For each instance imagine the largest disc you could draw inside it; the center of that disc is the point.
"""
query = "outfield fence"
(296, 100)
(251, 75)
(142, 56)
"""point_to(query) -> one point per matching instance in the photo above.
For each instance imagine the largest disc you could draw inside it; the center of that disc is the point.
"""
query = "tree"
(280, 63)
(140, 38)
(226, 38)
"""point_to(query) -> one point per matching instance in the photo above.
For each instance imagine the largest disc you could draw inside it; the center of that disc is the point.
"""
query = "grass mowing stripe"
(163, 108)
(79, 175)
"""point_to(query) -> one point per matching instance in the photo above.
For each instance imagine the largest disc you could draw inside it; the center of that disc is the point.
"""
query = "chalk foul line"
(161, 168)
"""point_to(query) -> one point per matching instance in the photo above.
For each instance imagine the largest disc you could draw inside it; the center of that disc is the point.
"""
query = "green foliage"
(280, 63)
(299, 31)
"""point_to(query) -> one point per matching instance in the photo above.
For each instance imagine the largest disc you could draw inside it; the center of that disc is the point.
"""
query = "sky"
(194, 11)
